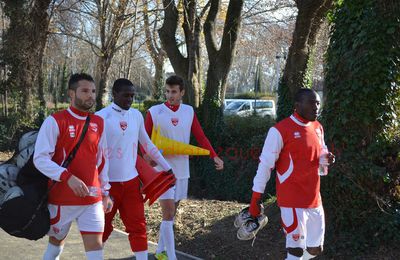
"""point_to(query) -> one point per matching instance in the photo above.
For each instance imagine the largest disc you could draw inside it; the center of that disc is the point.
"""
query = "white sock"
(141, 255)
(293, 257)
(53, 252)
(307, 255)
(95, 255)
(160, 245)
(167, 230)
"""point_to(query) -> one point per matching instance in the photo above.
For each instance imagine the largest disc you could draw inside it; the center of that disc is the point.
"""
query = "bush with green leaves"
(239, 145)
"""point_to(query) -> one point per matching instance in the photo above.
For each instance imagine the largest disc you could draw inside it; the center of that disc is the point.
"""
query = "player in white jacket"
(124, 129)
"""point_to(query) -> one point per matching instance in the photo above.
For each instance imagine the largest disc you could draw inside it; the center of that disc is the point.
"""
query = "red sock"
(255, 209)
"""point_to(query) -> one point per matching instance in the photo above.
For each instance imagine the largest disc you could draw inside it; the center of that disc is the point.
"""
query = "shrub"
(239, 145)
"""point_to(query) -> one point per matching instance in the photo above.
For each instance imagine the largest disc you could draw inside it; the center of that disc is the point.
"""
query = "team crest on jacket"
(56, 230)
(175, 121)
(296, 237)
(296, 135)
(93, 126)
(123, 125)
(71, 130)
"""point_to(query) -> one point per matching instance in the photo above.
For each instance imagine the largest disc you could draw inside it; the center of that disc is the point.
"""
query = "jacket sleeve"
(102, 162)
(44, 150)
(150, 148)
(270, 153)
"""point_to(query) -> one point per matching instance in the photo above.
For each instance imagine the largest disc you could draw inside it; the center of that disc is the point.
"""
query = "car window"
(245, 107)
(263, 104)
(234, 105)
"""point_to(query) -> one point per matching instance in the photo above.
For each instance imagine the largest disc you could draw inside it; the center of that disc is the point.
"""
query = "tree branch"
(209, 28)
(167, 34)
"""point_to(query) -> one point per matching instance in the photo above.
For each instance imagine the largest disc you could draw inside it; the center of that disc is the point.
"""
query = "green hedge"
(239, 145)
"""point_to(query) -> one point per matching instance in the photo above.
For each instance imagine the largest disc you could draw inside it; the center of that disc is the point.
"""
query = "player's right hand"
(78, 186)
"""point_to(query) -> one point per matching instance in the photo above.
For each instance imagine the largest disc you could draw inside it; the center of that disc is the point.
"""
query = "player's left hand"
(331, 158)
(107, 204)
(219, 164)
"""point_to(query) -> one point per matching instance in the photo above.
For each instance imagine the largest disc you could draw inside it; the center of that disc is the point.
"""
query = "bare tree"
(309, 19)
(187, 66)
(157, 54)
(112, 19)
(220, 58)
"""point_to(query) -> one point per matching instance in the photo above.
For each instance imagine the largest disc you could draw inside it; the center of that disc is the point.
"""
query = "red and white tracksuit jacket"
(293, 148)
(57, 136)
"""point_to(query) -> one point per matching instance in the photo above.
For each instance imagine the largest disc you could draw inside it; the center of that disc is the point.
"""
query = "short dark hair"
(175, 80)
(75, 78)
(301, 93)
(120, 83)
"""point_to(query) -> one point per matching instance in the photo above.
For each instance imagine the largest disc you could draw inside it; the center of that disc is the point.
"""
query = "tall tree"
(157, 54)
(112, 19)
(311, 14)
(220, 58)
(23, 47)
(114, 14)
(187, 67)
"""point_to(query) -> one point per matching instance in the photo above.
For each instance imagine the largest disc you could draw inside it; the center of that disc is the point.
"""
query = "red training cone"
(154, 183)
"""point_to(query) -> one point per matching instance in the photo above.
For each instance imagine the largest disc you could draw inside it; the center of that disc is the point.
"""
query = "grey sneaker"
(243, 216)
(250, 228)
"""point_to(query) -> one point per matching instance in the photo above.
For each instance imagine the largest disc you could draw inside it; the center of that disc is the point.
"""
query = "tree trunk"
(102, 97)
(157, 54)
(310, 17)
(220, 59)
(24, 46)
(187, 67)
(158, 81)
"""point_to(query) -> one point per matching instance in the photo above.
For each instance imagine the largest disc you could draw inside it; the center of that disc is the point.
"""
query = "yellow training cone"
(168, 146)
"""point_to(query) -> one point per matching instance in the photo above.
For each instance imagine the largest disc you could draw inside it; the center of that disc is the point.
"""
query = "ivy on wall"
(361, 115)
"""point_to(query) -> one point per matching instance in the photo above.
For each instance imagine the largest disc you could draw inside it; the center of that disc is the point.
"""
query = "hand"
(78, 186)
(219, 164)
(331, 158)
(149, 160)
(107, 204)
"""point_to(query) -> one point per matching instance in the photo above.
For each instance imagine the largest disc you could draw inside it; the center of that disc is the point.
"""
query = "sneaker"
(161, 256)
(244, 216)
(250, 228)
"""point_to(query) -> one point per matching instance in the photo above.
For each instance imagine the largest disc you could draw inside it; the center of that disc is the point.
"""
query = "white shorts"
(178, 192)
(303, 227)
(90, 219)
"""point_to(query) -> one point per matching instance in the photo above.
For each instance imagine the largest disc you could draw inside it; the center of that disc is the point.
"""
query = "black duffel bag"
(27, 216)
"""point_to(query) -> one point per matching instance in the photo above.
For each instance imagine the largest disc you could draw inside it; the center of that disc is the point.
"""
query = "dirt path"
(205, 229)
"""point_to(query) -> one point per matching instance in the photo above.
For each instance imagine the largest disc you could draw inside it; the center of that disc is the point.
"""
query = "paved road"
(117, 247)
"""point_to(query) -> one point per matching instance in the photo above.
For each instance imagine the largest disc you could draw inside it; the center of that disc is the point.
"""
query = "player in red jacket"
(294, 147)
(81, 191)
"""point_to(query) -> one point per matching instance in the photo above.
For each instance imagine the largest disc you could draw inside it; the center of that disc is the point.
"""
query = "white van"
(246, 107)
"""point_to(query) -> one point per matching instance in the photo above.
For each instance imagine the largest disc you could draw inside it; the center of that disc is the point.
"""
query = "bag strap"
(72, 154)
(65, 164)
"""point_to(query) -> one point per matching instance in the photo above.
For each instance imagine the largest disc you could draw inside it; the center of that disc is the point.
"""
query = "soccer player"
(293, 147)
(176, 121)
(124, 128)
(71, 198)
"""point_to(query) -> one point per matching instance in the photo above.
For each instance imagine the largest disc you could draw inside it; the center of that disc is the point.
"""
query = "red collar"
(172, 107)
(301, 119)
(78, 112)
